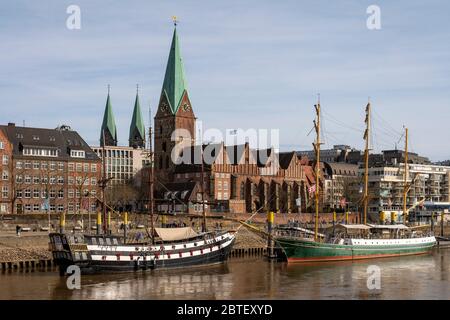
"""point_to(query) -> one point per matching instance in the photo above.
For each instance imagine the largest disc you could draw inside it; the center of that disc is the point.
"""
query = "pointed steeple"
(174, 80)
(137, 128)
(108, 126)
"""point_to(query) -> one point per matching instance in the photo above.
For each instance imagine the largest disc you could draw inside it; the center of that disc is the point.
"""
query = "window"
(60, 208)
(52, 180)
(36, 193)
(5, 175)
(77, 154)
(19, 194)
(28, 179)
(93, 193)
(52, 194)
(93, 181)
(28, 207)
(86, 167)
(93, 168)
(36, 207)
(70, 207)
(1, 145)
(60, 180)
(61, 194)
(79, 167)
(40, 152)
(5, 159)
(44, 165)
(70, 181)
(19, 178)
(19, 165)
(78, 194)
(71, 193)
(5, 192)
(3, 208)
(52, 165)
(60, 166)
(36, 180)
(28, 193)
(71, 166)
(36, 165)
(27, 165)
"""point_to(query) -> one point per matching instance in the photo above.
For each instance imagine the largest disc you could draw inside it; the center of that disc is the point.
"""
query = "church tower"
(108, 131)
(137, 128)
(174, 112)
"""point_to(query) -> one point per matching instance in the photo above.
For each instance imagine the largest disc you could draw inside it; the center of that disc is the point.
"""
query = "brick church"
(237, 178)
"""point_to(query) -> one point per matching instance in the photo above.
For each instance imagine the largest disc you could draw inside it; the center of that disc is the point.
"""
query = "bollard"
(125, 226)
(62, 222)
(334, 223)
(270, 219)
(99, 222)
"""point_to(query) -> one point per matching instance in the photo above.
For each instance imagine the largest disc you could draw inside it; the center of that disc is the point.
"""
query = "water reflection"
(421, 277)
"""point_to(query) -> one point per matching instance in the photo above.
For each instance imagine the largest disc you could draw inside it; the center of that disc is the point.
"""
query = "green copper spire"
(174, 81)
(108, 125)
(137, 128)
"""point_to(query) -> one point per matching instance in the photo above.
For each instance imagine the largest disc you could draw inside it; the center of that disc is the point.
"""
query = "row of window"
(115, 153)
(36, 165)
(82, 167)
(53, 194)
(37, 179)
(40, 152)
(59, 208)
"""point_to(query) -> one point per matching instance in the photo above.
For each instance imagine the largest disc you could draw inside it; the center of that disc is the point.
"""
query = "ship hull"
(94, 258)
(305, 250)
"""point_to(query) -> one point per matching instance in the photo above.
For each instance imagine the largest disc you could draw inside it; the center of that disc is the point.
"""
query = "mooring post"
(270, 219)
(62, 222)
(99, 221)
(109, 222)
(334, 222)
(125, 226)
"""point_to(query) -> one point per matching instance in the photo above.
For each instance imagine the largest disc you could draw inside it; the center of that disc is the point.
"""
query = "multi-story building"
(52, 170)
(339, 153)
(339, 180)
(427, 182)
(5, 172)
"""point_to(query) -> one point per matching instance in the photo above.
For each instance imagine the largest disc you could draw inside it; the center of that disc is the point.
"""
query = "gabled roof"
(175, 83)
(137, 123)
(285, 158)
(109, 124)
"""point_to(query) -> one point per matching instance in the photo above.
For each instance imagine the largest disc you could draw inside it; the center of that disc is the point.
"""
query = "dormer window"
(52, 139)
(36, 138)
(19, 136)
(77, 154)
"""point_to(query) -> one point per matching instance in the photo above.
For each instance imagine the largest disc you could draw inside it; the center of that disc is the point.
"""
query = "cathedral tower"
(174, 112)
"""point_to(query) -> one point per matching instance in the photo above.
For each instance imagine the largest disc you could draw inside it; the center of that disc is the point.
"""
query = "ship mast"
(366, 163)
(317, 149)
(405, 174)
(202, 176)
(151, 179)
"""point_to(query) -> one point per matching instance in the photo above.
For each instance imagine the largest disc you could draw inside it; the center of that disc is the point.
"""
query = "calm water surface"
(421, 277)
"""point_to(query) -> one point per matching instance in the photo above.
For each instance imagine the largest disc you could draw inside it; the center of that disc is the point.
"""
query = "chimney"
(11, 124)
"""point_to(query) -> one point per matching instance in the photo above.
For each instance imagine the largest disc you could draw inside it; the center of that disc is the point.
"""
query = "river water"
(417, 277)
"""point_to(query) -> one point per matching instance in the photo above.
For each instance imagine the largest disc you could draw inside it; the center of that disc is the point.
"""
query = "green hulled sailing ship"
(354, 242)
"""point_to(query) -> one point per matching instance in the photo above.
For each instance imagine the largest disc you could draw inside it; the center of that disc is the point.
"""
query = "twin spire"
(108, 134)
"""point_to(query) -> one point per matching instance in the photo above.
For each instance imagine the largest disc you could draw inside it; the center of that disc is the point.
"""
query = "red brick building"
(5, 172)
(50, 170)
(236, 178)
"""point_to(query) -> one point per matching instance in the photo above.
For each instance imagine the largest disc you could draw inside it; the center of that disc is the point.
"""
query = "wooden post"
(62, 222)
(109, 222)
(270, 220)
(99, 221)
(125, 226)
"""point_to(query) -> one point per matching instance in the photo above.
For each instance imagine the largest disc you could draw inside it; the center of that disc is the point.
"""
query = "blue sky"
(249, 64)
